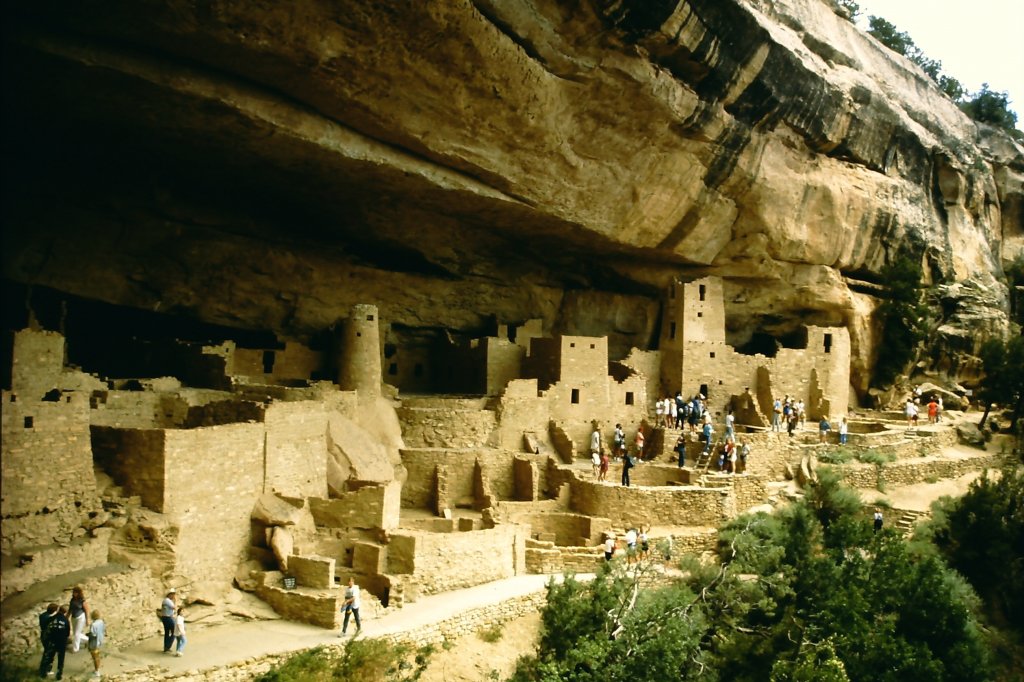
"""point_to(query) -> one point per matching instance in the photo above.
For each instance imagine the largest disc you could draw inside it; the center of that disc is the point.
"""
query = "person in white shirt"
(179, 632)
(609, 548)
(351, 606)
(595, 451)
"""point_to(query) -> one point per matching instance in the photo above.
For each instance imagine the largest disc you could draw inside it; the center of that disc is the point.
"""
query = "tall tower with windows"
(359, 365)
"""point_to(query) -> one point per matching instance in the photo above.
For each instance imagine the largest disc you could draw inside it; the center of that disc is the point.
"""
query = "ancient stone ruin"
(318, 292)
(253, 471)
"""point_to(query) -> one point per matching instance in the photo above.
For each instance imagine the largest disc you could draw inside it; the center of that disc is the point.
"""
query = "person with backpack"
(55, 642)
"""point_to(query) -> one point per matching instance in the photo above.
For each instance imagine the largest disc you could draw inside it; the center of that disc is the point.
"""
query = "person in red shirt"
(933, 411)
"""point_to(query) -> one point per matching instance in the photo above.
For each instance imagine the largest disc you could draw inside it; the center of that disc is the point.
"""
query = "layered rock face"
(267, 165)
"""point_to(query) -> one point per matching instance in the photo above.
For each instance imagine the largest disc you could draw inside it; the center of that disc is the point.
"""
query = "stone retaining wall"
(910, 471)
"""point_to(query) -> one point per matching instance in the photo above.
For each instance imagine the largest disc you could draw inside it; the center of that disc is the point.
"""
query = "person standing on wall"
(78, 610)
(595, 450)
(55, 642)
(619, 442)
(351, 606)
(167, 610)
(627, 463)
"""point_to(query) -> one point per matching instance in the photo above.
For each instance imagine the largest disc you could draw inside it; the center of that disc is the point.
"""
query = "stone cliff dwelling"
(245, 468)
(321, 294)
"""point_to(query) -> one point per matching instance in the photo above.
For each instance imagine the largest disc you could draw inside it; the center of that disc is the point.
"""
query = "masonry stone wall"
(679, 506)
(446, 423)
(37, 363)
(458, 466)
(296, 448)
(46, 457)
(319, 607)
(126, 596)
(440, 562)
(521, 409)
(36, 564)
(135, 459)
(294, 362)
(316, 572)
(562, 528)
(369, 506)
(911, 471)
(137, 409)
(213, 477)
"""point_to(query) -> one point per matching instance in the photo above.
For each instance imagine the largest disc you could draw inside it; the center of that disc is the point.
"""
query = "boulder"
(950, 400)
(282, 545)
(209, 592)
(970, 434)
(272, 510)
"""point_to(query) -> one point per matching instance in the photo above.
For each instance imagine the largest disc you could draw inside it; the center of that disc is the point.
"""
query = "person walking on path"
(78, 612)
(933, 411)
(680, 448)
(179, 632)
(97, 634)
(595, 451)
(351, 606)
(878, 519)
(844, 431)
(639, 442)
(168, 608)
(777, 416)
(602, 474)
(730, 425)
(55, 642)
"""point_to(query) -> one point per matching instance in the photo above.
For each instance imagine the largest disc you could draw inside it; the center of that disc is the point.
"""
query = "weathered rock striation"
(266, 166)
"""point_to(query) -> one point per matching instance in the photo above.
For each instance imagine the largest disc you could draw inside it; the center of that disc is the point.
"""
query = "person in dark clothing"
(55, 642)
(680, 448)
(44, 618)
(627, 464)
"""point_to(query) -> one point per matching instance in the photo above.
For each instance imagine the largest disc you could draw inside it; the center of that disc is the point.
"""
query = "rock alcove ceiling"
(263, 167)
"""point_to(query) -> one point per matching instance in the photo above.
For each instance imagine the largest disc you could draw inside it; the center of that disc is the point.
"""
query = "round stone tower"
(359, 360)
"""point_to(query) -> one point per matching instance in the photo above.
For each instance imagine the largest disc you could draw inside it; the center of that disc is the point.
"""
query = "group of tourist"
(912, 409)
(636, 541)
(74, 625)
(173, 618)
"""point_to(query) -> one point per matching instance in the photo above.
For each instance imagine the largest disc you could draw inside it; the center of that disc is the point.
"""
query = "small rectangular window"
(629, 397)
(393, 368)
(268, 362)
(28, 422)
(703, 290)
(828, 343)
(712, 353)
(593, 346)
(700, 314)
(572, 345)
(359, 333)
(575, 399)
(369, 318)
